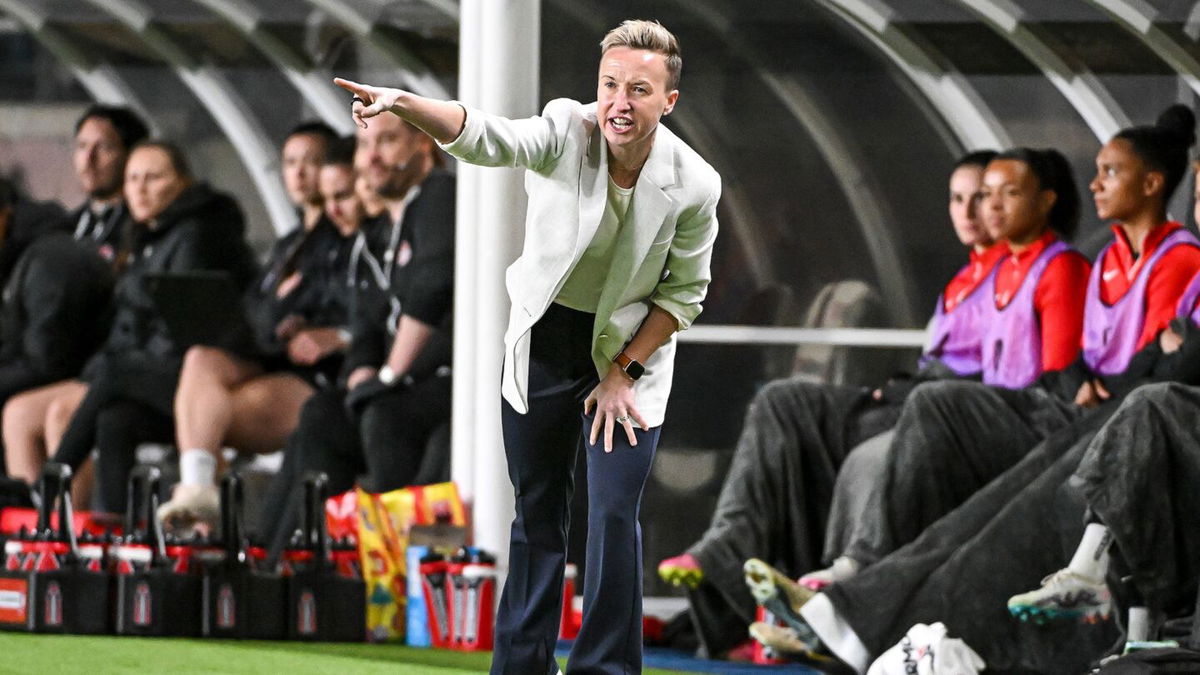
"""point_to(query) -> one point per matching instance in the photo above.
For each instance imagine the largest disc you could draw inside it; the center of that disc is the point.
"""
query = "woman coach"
(619, 233)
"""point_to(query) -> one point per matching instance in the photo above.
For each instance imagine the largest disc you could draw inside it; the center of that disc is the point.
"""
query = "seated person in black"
(103, 137)
(398, 366)
(251, 399)
(183, 225)
(54, 312)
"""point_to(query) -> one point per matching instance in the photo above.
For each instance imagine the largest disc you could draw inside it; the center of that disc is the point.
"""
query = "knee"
(200, 358)
(1156, 395)
(20, 413)
(60, 411)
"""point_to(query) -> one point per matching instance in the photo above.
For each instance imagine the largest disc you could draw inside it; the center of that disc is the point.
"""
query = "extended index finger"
(350, 86)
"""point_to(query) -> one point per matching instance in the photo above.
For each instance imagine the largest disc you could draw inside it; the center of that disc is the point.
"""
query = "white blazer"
(662, 253)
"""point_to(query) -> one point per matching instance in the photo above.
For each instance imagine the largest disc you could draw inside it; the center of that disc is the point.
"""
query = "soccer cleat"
(786, 643)
(682, 570)
(781, 596)
(1063, 595)
(842, 569)
(192, 509)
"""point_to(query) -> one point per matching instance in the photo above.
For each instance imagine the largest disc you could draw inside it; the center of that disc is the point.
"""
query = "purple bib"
(1187, 302)
(1012, 341)
(954, 336)
(1111, 332)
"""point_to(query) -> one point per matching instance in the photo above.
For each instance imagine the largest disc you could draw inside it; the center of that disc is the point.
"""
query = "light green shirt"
(581, 291)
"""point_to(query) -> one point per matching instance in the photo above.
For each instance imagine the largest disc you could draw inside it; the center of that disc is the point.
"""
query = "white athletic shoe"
(1063, 595)
(192, 508)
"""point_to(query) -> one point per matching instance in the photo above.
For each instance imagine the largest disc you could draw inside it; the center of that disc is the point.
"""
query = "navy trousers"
(541, 448)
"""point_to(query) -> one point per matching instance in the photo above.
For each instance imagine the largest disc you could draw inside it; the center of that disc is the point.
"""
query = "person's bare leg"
(60, 411)
(24, 430)
(204, 400)
(265, 412)
(83, 485)
(204, 410)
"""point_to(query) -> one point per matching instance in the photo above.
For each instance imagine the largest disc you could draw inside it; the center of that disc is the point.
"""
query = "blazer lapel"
(593, 192)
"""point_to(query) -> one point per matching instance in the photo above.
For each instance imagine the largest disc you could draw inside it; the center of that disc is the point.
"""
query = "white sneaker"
(192, 508)
(1064, 595)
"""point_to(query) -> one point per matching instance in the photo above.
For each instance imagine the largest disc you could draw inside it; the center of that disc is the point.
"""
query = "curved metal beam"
(871, 211)
(316, 88)
(1082, 89)
(1139, 19)
(415, 75)
(215, 93)
(448, 7)
(956, 102)
(100, 80)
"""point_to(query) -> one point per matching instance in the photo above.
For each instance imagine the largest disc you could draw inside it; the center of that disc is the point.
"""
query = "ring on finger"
(359, 99)
(622, 419)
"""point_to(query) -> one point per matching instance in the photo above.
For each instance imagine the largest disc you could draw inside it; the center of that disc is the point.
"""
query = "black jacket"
(29, 220)
(55, 313)
(418, 269)
(200, 230)
(322, 298)
(109, 234)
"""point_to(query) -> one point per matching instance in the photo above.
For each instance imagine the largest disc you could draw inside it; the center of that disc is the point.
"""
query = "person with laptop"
(183, 225)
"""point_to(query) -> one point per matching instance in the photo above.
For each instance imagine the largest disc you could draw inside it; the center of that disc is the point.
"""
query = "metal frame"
(316, 88)
(219, 98)
(836, 148)
(957, 104)
(773, 335)
(100, 80)
(1082, 89)
(415, 76)
(1139, 19)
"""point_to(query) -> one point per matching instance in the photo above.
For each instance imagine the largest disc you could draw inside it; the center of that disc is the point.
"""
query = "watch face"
(635, 370)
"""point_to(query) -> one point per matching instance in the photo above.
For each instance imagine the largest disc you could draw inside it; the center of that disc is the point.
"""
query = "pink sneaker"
(682, 570)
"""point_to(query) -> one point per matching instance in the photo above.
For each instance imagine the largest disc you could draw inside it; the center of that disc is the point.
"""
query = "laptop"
(201, 308)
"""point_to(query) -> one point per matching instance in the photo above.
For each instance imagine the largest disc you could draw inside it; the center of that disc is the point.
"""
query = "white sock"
(1091, 558)
(1139, 625)
(197, 467)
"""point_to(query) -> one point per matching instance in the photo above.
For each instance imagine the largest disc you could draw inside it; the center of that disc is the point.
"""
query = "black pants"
(121, 427)
(776, 500)
(387, 442)
(952, 439)
(1141, 477)
(541, 448)
(963, 568)
(129, 402)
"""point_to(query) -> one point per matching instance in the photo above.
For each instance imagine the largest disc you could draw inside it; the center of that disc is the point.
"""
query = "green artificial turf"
(21, 653)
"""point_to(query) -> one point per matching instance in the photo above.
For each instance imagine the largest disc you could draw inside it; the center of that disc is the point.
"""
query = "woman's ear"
(1153, 182)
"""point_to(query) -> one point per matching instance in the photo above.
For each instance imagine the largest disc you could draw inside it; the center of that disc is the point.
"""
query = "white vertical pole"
(462, 421)
(501, 69)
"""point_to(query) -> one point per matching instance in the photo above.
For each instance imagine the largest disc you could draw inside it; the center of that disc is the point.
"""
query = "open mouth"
(621, 124)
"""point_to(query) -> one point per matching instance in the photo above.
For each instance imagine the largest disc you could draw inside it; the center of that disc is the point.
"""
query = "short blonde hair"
(651, 36)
